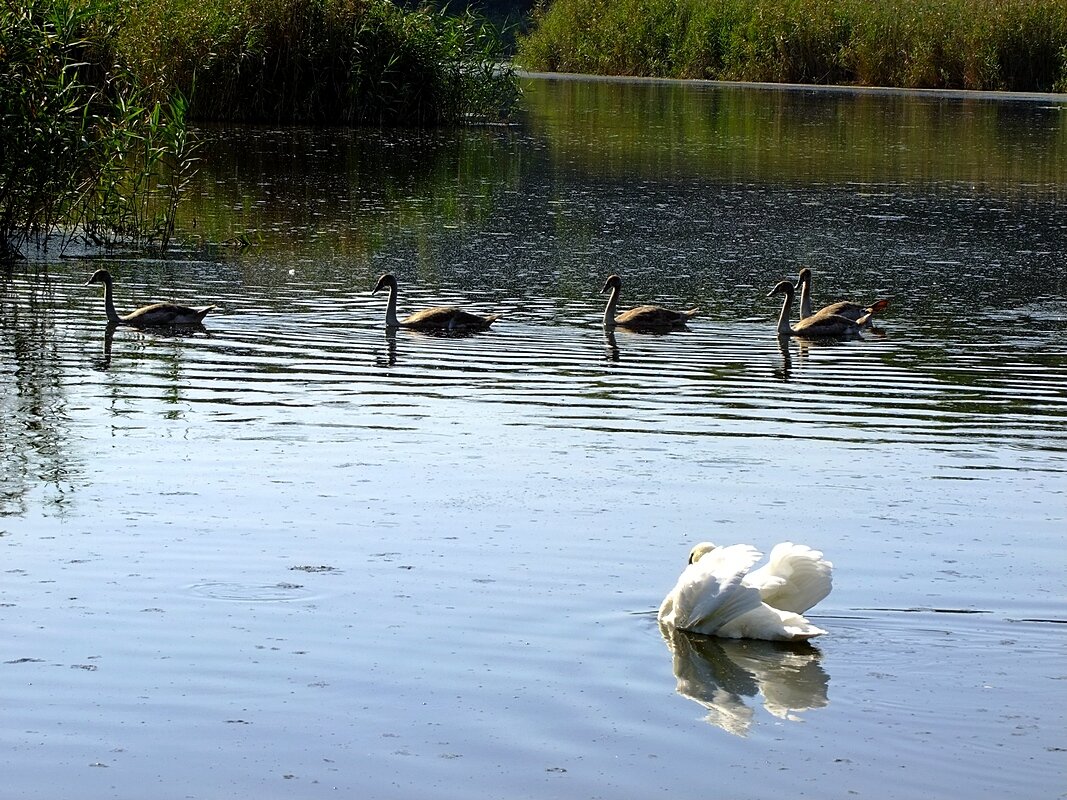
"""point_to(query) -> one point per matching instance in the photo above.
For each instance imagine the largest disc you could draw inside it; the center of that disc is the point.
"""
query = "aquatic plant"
(969, 44)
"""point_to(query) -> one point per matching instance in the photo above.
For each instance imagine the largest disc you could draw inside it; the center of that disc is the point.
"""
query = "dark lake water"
(294, 555)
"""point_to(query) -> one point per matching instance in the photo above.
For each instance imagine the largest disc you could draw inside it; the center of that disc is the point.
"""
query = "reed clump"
(347, 62)
(1018, 45)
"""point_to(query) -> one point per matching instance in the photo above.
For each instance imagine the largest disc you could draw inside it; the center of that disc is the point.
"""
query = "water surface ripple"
(718, 378)
(295, 554)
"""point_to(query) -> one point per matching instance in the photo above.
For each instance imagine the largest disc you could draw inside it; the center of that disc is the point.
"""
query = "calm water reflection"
(409, 565)
(720, 673)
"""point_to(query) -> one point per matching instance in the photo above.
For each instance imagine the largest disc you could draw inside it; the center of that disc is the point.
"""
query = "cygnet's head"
(386, 280)
(700, 551)
(613, 282)
(783, 287)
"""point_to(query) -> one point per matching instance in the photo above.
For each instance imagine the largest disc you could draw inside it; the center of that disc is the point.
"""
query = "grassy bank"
(1018, 45)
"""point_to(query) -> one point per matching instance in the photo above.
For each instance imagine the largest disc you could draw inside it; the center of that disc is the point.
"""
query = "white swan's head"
(804, 277)
(613, 282)
(699, 551)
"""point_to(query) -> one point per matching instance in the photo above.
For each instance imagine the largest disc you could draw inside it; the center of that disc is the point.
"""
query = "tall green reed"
(83, 146)
(94, 140)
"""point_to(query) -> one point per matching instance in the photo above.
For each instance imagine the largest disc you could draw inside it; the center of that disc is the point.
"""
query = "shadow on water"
(736, 135)
(103, 363)
(343, 194)
(35, 434)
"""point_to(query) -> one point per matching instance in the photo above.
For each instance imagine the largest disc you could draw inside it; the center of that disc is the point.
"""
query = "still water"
(292, 555)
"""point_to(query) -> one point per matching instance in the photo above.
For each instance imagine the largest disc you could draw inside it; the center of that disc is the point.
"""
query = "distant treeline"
(1018, 45)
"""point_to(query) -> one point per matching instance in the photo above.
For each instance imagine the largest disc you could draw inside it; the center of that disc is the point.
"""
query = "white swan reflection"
(720, 673)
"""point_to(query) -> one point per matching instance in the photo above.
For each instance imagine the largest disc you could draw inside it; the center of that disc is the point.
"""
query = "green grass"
(1018, 45)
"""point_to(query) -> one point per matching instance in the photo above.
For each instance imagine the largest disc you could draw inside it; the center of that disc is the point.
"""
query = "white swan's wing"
(794, 578)
(710, 592)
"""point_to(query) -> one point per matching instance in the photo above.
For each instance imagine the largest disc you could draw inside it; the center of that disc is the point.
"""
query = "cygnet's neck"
(390, 308)
(109, 304)
(805, 299)
(783, 317)
(609, 309)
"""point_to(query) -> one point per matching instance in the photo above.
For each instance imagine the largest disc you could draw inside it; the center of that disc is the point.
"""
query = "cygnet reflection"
(720, 673)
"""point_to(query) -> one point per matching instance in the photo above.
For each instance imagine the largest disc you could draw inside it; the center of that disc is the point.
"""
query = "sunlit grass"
(970, 44)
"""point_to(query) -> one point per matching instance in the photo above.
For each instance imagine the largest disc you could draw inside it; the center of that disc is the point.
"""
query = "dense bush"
(969, 44)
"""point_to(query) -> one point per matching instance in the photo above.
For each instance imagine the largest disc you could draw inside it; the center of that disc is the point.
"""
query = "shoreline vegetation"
(96, 96)
(1013, 45)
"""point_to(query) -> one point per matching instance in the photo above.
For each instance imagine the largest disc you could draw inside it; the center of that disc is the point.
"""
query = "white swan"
(719, 594)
